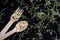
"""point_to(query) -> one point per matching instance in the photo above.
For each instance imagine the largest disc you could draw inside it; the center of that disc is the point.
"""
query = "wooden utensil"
(20, 26)
(15, 16)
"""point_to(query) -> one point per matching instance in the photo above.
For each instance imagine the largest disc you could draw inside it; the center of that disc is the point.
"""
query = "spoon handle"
(8, 34)
(4, 30)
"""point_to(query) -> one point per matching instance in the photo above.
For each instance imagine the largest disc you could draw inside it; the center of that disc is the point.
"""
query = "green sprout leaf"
(55, 12)
(48, 2)
(52, 19)
(24, 17)
(57, 3)
(39, 15)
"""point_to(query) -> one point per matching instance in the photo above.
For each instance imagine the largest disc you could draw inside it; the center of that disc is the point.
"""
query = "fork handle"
(4, 30)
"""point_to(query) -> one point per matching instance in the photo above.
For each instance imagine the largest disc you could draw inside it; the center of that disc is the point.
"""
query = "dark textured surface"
(36, 27)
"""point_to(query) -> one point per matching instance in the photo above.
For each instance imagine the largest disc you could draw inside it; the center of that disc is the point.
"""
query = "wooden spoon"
(20, 26)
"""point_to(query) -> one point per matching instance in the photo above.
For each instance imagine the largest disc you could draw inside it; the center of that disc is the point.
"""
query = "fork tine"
(17, 9)
(20, 11)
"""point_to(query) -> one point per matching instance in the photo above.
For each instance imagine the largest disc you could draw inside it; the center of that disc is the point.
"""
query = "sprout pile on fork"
(20, 26)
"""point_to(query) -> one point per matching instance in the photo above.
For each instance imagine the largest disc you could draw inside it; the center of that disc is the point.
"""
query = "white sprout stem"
(4, 30)
(8, 34)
